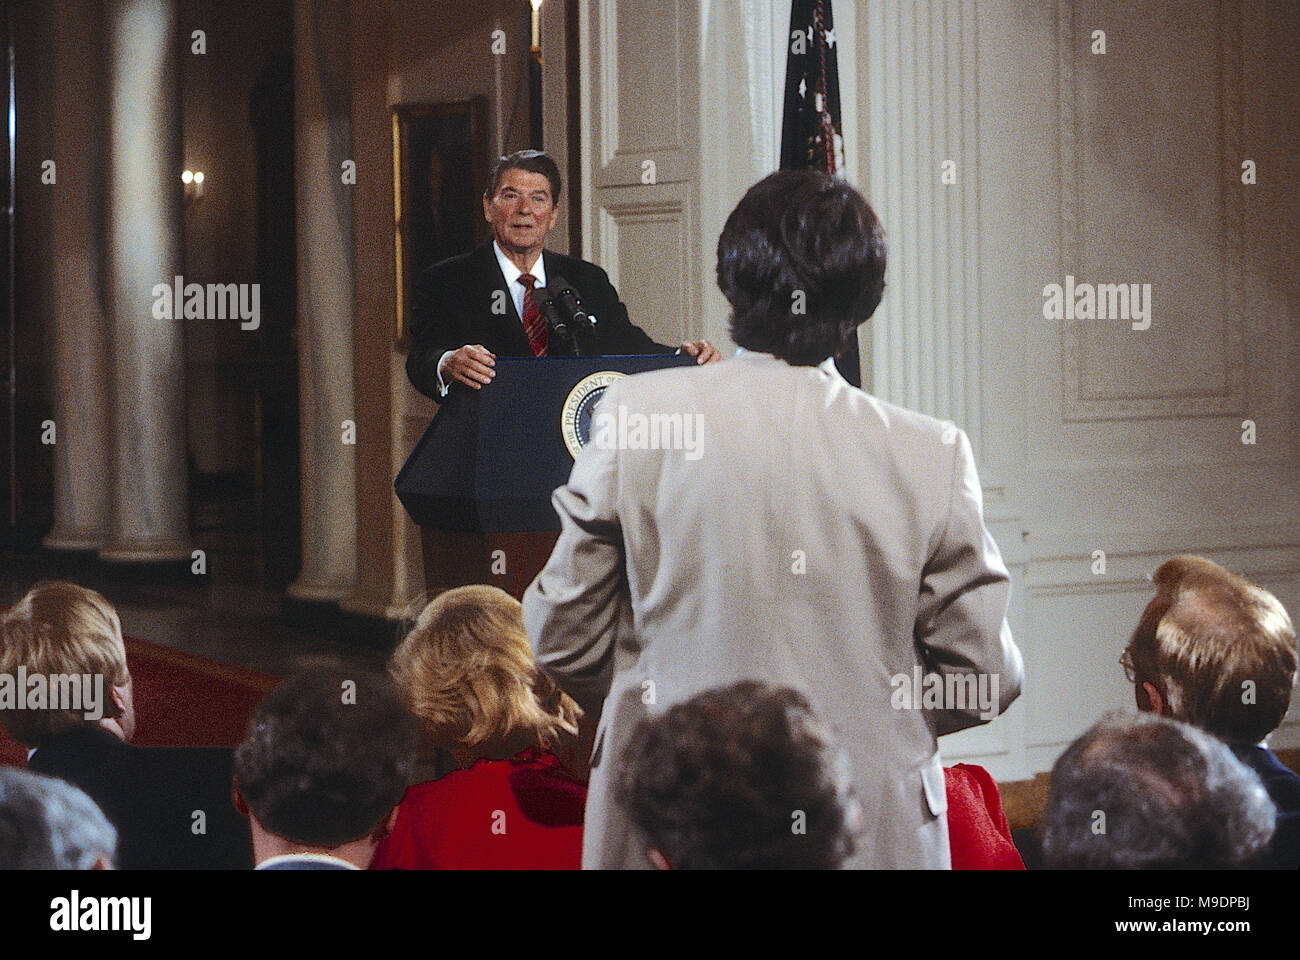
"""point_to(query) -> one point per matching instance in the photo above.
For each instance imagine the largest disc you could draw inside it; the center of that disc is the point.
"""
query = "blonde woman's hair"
(1221, 650)
(467, 669)
(59, 628)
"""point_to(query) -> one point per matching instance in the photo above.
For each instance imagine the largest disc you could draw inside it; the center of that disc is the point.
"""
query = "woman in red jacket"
(516, 799)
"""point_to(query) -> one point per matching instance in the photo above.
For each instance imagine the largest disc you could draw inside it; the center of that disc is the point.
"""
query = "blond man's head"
(59, 628)
(1217, 651)
(468, 671)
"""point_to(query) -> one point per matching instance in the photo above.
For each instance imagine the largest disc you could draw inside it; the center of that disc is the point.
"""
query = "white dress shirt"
(316, 857)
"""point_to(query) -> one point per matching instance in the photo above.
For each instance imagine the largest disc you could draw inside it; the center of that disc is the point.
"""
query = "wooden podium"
(479, 481)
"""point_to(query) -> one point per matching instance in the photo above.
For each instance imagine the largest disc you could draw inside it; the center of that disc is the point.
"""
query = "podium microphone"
(569, 302)
(561, 305)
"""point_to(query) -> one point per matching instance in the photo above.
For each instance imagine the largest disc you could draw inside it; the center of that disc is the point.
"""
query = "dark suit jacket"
(453, 306)
(150, 795)
(1283, 788)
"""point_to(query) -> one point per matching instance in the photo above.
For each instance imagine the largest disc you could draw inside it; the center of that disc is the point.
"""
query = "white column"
(150, 515)
(79, 341)
(740, 109)
(322, 142)
(921, 109)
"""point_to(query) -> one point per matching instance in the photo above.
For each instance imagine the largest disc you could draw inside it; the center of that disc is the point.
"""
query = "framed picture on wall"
(439, 173)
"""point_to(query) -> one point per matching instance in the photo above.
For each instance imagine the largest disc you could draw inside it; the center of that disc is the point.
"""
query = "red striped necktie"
(534, 323)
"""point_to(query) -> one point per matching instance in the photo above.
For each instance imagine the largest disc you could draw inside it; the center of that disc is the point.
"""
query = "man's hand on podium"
(471, 365)
(701, 350)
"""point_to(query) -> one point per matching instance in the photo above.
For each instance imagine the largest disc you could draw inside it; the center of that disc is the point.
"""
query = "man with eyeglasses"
(1214, 650)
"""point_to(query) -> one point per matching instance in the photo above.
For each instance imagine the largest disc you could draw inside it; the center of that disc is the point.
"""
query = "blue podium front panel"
(491, 458)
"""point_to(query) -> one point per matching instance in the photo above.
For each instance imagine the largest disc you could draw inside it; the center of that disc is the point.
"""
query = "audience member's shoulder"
(1278, 778)
(86, 741)
(972, 775)
(1289, 778)
(464, 781)
(547, 792)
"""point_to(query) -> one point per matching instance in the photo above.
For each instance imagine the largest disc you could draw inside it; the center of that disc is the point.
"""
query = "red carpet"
(181, 700)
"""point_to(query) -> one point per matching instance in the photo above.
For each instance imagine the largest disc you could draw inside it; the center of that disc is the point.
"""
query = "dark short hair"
(1142, 791)
(1205, 636)
(48, 824)
(801, 260)
(327, 756)
(740, 777)
(534, 161)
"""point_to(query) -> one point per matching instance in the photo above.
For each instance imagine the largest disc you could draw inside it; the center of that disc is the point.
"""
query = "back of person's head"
(60, 629)
(1143, 791)
(533, 161)
(1220, 650)
(801, 260)
(327, 756)
(743, 776)
(48, 824)
(467, 670)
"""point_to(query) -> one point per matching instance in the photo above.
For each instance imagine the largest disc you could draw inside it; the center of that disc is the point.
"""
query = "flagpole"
(810, 125)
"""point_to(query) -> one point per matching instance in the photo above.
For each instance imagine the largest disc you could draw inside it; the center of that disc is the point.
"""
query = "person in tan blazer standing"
(762, 519)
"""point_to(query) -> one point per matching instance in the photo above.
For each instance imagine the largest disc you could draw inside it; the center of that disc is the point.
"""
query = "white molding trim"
(922, 108)
(1232, 399)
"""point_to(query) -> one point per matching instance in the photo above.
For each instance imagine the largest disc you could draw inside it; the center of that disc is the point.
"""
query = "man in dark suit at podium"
(469, 309)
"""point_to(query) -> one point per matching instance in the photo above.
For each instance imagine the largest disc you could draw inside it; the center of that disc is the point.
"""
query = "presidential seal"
(575, 417)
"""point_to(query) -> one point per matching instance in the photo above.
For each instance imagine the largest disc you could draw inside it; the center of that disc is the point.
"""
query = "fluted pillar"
(740, 148)
(922, 110)
(322, 143)
(79, 341)
(148, 482)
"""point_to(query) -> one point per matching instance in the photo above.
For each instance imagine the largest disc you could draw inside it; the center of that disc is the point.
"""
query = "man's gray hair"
(48, 824)
(1143, 791)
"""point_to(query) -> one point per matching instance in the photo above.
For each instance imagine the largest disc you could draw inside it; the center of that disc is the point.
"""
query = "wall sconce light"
(534, 66)
(193, 180)
(536, 49)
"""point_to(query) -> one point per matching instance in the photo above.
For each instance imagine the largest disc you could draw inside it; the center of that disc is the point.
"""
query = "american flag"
(810, 128)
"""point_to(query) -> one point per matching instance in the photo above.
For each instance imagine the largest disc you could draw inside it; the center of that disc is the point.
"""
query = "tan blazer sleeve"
(961, 625)
(572, 609)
